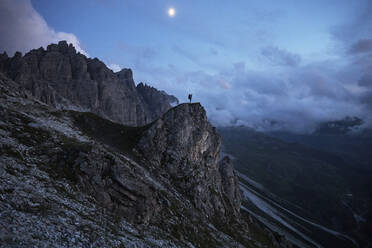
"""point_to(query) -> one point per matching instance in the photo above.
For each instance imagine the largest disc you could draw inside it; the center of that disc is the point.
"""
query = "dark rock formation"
(156, 101)
(185, 147)
(230, 184)
(65, 79)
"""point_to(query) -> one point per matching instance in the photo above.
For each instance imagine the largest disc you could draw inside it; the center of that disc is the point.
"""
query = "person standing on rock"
(190, 97)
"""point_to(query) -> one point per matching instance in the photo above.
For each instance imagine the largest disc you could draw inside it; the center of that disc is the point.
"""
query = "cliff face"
(185, 147)
(157, 102)
(63, 78)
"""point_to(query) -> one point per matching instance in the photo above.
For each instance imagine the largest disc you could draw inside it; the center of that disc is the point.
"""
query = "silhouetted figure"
(190, 97)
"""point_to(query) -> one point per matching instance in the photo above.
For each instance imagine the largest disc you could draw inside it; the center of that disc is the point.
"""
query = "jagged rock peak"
(4, 55)
(62, 47)
(153, 92)
(125, 73)
(158, 102)
(185, 146)
(17, 55)
(184, 128)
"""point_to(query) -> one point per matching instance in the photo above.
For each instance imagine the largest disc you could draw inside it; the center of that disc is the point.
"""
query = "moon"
(171, 12)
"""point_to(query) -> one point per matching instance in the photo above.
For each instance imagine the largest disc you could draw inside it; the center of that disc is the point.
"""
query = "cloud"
(114, 67)
(356, 29)
(295, 100)
(366, 80)
(224, 84)
(213, 51)
(192, 56)
(295, 104)
(136, 51)
(362, 46)
(281, 57)
(137, 57)
(22, 28)
(366, 95)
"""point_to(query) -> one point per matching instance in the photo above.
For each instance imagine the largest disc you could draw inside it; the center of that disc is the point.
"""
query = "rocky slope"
(65, 79)
(72, 178)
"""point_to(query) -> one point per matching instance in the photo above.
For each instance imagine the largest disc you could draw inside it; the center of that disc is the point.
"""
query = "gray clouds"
(356, 37)
(293, 96)
(362, 46)
(366, 80)
(357, 27)
(296, 99)
(23, 29)
(280, 57)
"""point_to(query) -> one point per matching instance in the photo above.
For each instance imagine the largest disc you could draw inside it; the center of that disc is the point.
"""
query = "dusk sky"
(247, 61)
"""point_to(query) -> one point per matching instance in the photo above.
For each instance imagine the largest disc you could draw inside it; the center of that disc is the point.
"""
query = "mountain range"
(65, 79)
(88, 159)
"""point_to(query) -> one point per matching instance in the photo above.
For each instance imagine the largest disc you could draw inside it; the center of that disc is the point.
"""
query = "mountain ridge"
(66, 79)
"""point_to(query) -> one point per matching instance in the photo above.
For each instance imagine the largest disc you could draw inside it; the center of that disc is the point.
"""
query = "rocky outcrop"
(65, 79)
(230, 184)
(184, 146)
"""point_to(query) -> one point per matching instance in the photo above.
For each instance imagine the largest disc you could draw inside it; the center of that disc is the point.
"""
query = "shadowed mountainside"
(72, 178)
(65, 79)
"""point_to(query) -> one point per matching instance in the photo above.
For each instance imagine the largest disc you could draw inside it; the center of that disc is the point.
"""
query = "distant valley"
(311, 176)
